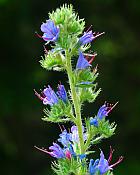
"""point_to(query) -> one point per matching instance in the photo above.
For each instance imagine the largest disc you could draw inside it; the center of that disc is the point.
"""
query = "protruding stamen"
(63, 127)
(38, 95)
(98, 34)
(110, 155)
(39, 36)
(42, 149)
(119, 160)
(46, 52)
(60, 128)
(95, 69)
(112, 107)
(88, 28)
(94, 55)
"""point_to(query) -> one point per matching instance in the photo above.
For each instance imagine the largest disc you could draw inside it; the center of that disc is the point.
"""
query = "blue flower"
(56, 151)
(86, 38)
(50, 96)
(82, 63)
(94, 121)
(72, 150)
(65, 138)
(62, 93)
(102, 165)
(93, 166)
(51, 32)
(82, 156)
(75, 135)
(99, 165)
(104, 110)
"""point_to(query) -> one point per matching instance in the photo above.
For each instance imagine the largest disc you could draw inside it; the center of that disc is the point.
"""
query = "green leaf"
(68, 167)
(88, 94)
(53, 60)
(85, 75)
(106, 129)
(59, 112)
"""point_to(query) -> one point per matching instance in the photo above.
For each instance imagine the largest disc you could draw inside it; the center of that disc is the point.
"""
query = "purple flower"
(86, 38)
(50, 96)
(75, 135)
(65, 138)
(104, 110)
(56, 151)
(51, 32)
(102, 165)
(68, 141)
(89, 37)
(93, 166)
(82, 63)
(62, 93)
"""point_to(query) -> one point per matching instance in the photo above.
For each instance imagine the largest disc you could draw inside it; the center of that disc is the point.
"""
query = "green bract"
(53, 60)
(60, 112)
(68, 20)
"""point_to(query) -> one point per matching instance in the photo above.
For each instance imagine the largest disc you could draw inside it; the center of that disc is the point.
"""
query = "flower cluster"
(65, 33)
(69, 142)
(102, 165)
(49, 97)
(103, 112)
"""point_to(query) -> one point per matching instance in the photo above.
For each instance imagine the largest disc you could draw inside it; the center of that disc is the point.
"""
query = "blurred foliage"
(118, 51)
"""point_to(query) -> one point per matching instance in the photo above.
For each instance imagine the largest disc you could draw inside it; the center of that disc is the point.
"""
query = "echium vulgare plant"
(65, 34)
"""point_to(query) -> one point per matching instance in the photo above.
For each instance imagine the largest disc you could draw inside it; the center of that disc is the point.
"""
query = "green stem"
(87, 144)
(76, 101)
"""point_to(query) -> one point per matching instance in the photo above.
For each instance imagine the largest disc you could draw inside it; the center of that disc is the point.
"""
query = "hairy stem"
(76, 101)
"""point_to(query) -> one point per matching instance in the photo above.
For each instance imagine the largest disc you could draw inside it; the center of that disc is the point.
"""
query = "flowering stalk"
(76, 101)
(66, 31)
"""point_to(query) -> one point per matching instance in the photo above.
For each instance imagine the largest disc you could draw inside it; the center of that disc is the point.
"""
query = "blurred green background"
(118, 51)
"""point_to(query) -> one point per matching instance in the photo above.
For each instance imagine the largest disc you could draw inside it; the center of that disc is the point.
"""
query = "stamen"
(119, 160)
(110, 155)
(38, 95)
(88, 28)
(98, 34)
(63, 127)
(39, 36)
(94, 55)
(43, 150)
(112, 107)
(59, 83)
(45, 50)
(60, 128)
(95, 69)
